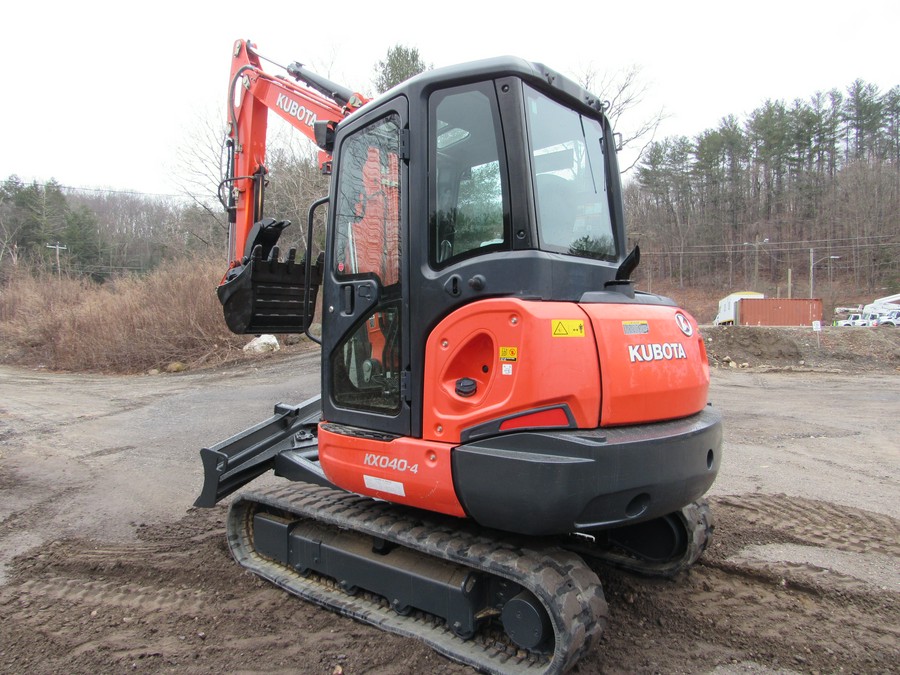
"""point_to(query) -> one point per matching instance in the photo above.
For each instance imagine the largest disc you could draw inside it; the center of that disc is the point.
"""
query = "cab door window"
(368, 205)
(365, 366)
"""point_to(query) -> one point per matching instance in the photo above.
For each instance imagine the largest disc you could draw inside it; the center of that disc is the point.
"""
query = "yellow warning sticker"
(509, 353)
(567, 328)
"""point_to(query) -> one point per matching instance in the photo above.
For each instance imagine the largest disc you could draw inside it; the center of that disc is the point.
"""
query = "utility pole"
(812, 269)
(58, 249)
(811, 278)
(756, 246)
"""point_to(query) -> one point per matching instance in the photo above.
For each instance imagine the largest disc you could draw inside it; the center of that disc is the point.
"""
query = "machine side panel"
(396, 469)
(504, 358)
(653, 363)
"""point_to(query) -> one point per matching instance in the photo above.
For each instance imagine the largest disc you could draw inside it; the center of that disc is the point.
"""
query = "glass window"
(569, 179)
(468, 213)
(366, 365)
(367, 216)
(366, 368)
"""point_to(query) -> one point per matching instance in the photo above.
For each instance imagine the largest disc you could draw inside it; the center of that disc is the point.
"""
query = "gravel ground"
(105, 566)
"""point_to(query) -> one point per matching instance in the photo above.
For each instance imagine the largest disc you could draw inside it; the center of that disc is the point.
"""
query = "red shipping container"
(777, 312)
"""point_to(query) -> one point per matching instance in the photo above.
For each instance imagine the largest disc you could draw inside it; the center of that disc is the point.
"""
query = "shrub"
(126, 325)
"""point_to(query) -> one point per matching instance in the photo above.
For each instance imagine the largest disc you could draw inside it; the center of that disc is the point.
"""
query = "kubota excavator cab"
(475, 287)
(493, 181)
(485, 358)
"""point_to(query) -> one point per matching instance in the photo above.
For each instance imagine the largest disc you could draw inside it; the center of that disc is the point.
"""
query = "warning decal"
(509, 353)
(567, 328)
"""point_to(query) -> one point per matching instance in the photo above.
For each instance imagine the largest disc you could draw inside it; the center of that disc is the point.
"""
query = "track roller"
(661, 547)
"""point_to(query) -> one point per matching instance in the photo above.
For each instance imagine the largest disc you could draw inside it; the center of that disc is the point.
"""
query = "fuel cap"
(466, 386)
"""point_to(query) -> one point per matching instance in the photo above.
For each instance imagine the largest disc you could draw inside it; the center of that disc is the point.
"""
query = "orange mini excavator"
(501, 411)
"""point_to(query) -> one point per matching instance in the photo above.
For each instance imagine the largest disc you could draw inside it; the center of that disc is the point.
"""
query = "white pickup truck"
(859, 320)
(891, 319)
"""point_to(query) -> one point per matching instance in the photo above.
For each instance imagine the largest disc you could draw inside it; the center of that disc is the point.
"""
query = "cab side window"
(570, 183)
(468, 202)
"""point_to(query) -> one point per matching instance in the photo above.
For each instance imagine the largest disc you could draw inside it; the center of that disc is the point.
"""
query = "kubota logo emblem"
(684, 324)
(656, 352)
(294, 109)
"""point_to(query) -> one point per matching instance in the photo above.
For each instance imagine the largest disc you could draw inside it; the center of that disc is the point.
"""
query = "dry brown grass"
(134, 324)
(127, 325)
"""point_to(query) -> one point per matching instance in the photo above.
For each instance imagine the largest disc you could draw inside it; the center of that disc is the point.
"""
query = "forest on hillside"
(815, 182)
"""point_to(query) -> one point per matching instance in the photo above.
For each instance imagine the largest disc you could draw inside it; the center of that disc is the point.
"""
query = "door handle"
(347, 299)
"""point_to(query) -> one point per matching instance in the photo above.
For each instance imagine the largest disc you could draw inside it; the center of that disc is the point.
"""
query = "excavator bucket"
(270, 295)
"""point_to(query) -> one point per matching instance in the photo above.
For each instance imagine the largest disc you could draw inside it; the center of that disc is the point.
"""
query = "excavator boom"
(260, 292)
(252, 93)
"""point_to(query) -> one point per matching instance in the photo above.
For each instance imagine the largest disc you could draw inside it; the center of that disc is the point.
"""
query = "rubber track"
(697, 520)
(566, 586)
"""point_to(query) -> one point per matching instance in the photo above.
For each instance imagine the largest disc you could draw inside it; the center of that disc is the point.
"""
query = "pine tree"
(400, 64)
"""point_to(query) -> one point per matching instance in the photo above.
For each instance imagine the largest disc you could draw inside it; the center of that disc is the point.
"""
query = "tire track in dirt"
(135, 597)
(175, 600)
(737, 608)
(813, 522)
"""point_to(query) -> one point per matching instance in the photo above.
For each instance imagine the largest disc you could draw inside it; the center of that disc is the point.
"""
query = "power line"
(115, 192)
(801, 243)
(794, 249)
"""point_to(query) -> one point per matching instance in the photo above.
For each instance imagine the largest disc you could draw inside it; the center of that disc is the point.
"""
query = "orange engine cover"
(653, 362)
(518, 363)
(523, 358)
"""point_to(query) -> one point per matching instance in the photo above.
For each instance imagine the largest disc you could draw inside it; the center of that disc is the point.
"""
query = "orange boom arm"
(252, 93)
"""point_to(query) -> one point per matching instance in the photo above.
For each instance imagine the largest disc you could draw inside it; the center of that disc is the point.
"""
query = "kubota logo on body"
(666, 351)
(294, 109)
(684, 324)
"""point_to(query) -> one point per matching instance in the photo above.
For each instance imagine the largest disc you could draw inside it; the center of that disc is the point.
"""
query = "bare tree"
(200, 165)
(296, 181)
(10, 227)
(625, 91)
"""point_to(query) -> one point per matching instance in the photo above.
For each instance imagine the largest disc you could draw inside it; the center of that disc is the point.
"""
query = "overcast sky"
(101, 94)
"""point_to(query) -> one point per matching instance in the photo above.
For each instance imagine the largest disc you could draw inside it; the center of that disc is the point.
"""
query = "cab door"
(365, 325)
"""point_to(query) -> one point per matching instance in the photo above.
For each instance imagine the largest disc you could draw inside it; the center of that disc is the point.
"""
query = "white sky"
(103, 94)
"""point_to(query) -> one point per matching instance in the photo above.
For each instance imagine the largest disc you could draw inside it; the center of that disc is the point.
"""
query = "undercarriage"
(497, 602)
(490, 598)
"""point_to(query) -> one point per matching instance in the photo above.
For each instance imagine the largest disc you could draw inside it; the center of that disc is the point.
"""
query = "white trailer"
(725, 317)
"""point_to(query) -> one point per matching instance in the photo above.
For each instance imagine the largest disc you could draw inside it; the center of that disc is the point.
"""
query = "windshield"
(569, 179)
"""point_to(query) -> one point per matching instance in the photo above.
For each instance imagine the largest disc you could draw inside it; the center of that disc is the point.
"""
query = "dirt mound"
(833, 349)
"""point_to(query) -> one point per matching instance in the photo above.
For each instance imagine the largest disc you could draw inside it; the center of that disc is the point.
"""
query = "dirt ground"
(106, 567)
